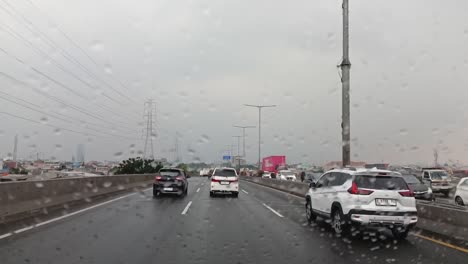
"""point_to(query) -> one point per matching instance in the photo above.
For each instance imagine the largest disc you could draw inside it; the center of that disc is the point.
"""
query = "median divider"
(449, 221)
(28, 198)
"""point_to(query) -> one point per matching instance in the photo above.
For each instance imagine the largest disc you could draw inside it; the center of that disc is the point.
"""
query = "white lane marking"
(186, 208)
(198, 189)
(273, 210)
(245, 191)
(66, 216)
(5, 235)
(23, 229)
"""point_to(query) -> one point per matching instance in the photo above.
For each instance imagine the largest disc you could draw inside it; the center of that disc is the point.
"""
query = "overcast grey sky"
(200, 60)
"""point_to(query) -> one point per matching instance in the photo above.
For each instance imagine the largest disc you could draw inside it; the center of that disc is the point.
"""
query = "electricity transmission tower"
(150, 133)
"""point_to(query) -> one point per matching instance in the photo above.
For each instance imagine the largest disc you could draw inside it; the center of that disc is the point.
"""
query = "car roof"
(355, 171)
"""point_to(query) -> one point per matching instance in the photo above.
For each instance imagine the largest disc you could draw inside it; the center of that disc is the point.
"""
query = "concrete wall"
(451, 221)
(31, 196)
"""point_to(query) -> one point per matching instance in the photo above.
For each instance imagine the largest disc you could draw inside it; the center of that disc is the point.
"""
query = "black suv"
(170, 181)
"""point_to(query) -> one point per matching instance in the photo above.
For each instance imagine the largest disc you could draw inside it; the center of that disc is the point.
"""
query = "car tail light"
(179, 178)
(355, 190)
(158, 178)
(214, 180)
(235, 180)
(409, 193)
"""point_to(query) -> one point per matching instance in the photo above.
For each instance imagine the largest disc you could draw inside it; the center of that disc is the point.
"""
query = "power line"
(77, 108)
(68, 120)
(57, 82)
(74, 42)
(66, 129)
(65, 54)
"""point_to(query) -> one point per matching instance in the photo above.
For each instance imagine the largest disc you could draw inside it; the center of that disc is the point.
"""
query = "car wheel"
(235, 195)
(156, 194)
(400, 234)
(309, 213)
(338, 222)
(211, 194)
(459, 201)
(186, 191)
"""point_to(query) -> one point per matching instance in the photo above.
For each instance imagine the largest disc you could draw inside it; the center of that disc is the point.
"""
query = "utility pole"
(259, 129)
(149, 114)
(243, 135)
(345, 69)
(238, 150)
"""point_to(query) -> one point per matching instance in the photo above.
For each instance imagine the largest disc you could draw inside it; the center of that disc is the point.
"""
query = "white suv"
(356, 199)
(224, 180)
(286, 175)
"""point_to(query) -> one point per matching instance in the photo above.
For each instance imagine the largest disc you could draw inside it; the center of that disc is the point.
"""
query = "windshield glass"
(439, 175)
(380, 182)
(115, 114)
(224, 173)
(411, 179)
(170, 173)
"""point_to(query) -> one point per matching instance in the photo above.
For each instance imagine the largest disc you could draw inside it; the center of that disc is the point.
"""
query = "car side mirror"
(312, 184)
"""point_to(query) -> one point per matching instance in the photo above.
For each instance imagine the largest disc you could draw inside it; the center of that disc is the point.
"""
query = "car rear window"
(225, 173)
(379, 182)
(170, 173)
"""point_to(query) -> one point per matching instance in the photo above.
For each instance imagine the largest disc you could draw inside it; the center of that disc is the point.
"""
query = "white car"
(224, 180)
(286, 175)
(266, 174)
(461, 194)
(358, 199)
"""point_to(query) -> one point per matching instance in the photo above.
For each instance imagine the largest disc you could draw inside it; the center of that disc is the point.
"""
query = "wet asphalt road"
(140, 229)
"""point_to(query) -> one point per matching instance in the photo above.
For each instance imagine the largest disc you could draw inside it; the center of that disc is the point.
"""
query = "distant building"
(80, 153)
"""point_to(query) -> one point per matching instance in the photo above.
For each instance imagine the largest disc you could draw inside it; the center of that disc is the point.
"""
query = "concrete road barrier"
(447, 220)
(28, 197)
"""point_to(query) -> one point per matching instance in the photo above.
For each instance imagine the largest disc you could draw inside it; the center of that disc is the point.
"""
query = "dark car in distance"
(420, 190)
(170, 181)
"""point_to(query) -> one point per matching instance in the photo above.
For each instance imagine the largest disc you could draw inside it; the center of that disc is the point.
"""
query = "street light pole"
(243, 135)
(345, 69)
(238, 149)
(259, 129)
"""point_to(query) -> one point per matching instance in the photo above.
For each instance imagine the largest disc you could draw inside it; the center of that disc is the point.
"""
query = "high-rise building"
(80, 153)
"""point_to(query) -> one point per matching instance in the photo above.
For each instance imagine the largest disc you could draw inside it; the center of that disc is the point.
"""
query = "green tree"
(138, 166)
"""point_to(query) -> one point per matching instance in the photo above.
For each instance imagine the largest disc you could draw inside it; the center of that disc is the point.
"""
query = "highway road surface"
(261, 226)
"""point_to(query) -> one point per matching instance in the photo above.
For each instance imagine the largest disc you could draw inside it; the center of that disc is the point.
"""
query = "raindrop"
(108, 69)
(96, 46)
(57, 131)
(107, 184)
(44, 120)
(205, 138)
(207, 12)
(403, 132)
(2, 132)
(39, 184)
(333, 90)
(435, 131)
(118, 154)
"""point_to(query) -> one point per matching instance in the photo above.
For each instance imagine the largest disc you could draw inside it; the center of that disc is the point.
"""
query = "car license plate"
(385, 202)
(168, 189)
(225, 183)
